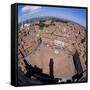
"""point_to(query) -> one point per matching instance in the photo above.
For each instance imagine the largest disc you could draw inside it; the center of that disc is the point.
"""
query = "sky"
(77, 15)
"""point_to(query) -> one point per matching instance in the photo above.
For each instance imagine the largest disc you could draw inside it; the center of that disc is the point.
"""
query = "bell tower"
(51, 67)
